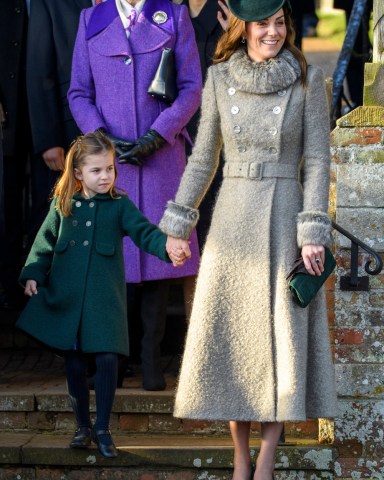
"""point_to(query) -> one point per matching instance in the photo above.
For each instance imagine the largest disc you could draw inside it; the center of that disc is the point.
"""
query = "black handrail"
(354, 282)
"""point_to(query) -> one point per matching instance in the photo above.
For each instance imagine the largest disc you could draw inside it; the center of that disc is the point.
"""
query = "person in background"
(117, 52)
(74, 275)
(251, 353)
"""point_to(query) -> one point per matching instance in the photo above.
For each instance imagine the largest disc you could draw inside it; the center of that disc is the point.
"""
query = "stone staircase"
(36, 423)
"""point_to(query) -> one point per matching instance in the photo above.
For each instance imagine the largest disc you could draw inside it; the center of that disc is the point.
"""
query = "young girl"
(74, 275)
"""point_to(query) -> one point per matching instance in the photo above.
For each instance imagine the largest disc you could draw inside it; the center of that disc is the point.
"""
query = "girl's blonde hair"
(230, 41)
(67, 185)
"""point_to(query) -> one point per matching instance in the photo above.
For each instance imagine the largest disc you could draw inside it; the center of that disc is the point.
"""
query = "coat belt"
(260, 170)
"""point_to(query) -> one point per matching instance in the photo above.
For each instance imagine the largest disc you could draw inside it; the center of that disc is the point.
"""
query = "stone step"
(38, 409)
(151, 457)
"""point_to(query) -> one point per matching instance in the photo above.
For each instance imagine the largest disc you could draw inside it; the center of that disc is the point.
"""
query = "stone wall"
(357, 204)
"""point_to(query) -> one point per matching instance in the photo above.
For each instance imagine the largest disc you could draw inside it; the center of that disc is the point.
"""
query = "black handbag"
(163, 85)
(304, 286)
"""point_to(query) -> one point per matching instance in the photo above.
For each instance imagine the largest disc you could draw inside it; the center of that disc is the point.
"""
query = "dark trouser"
(76, 364)
(147, 305)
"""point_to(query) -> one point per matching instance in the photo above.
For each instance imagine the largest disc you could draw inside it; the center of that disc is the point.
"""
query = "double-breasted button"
(281, 93)
(273, 131)
(85, 243)
(78, 204)
(72, 243)
(235, 110)
(12, 75)
(127, 60)
(17, 10)
(276, 110)
(231, 91)
(272, 150)
(242, 149)
(237, 129)
(75, 223)
(91, 204)
(16, 43)
(88, 223)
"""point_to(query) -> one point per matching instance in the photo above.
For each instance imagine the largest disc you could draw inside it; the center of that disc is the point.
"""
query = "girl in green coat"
(74, 275)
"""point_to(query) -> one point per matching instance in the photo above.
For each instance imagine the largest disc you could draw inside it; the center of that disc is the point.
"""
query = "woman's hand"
(220, 17)
(313, 256)
(30, 288)
(178, 250)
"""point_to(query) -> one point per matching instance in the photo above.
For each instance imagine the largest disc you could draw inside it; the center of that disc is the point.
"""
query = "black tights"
(105, 386)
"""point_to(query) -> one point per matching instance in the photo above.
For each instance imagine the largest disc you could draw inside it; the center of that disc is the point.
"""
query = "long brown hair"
(230, 41)
(67, 185)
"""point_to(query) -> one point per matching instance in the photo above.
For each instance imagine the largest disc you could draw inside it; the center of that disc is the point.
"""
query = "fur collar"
(274, 74)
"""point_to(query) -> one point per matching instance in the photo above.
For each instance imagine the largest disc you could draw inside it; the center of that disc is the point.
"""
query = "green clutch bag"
(304, 286)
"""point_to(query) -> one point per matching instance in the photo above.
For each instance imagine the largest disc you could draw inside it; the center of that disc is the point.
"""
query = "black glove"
(121, 146)
(143, 146)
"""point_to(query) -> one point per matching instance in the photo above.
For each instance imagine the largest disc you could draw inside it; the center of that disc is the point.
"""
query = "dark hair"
(230, 41)
(67, 185)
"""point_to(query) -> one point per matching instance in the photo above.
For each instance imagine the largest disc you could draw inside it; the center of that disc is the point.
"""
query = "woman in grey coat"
(251, 354)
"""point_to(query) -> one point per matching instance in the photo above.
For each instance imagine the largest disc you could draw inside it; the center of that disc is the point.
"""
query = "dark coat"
(13, 30)
(51, 39)
(110, 79)
(78, 264)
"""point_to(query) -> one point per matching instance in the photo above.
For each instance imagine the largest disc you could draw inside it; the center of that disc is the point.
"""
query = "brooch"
(160, 17)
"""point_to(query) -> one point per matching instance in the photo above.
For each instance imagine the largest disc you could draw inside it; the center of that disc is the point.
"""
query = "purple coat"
(110, 78)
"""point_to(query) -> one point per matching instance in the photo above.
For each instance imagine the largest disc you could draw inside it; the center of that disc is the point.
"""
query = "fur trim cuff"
(179, 220)
(313, 228)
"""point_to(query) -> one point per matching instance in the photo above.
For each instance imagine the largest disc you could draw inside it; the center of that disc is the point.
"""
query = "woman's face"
(266, 37)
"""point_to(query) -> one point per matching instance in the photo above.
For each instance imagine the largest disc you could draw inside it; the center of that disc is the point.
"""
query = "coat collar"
(98, 196)
(265, 77)
(105, 13)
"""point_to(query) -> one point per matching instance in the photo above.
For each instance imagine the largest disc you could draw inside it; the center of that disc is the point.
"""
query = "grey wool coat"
(251, 353)
(78, 264)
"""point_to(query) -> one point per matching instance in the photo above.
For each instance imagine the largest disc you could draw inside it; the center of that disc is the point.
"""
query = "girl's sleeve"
(39, 259)
(182, 215)
(142, 232)
(314, 226)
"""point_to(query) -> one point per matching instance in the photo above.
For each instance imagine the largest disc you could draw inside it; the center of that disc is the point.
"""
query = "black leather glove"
(143, 146)
(121, 146)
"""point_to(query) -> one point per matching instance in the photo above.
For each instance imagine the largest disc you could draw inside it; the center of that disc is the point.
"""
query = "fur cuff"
(179, 220)
(313, 228)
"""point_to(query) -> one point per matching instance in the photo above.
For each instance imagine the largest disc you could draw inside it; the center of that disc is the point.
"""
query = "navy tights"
(105, 386)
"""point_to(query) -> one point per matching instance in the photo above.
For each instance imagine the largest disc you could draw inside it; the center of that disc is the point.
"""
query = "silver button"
(88, 223)
(74, 223)
(273, 131)
(78, 204)
(235, 110)
(127, 60)
(92, 204)
(85, 243)
(242, 149)
(272, 150)
(72, 243)
(231, 91)
(237, 129)
(276, 110)
(281, 93)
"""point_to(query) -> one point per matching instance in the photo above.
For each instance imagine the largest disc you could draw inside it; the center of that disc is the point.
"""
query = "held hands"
(142, 147)
(178, 250)
(313, 256)
(121, 146)
(54, 158)
(30, 288)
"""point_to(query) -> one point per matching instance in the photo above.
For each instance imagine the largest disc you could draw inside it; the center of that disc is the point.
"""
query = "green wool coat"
(78, 264)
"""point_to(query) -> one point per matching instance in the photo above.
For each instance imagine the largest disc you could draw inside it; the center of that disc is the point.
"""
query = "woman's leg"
(105, 388)
(270, 434)
(76, 369)
(242, 458)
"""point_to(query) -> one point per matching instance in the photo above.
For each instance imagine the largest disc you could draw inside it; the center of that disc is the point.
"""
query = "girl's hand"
(313, 256)
(30, 288)
(220, 17)
(178, 250)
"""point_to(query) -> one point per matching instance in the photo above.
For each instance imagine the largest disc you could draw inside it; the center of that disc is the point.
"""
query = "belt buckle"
(256, 170)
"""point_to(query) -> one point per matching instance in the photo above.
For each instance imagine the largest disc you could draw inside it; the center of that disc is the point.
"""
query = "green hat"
(255, 10)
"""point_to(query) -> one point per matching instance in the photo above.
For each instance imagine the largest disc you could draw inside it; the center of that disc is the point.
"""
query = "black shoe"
(154, 384)
(104, 442)
(82, 438)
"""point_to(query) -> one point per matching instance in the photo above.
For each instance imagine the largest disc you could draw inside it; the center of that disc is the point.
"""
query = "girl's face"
(96, 174)
(266, 37)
